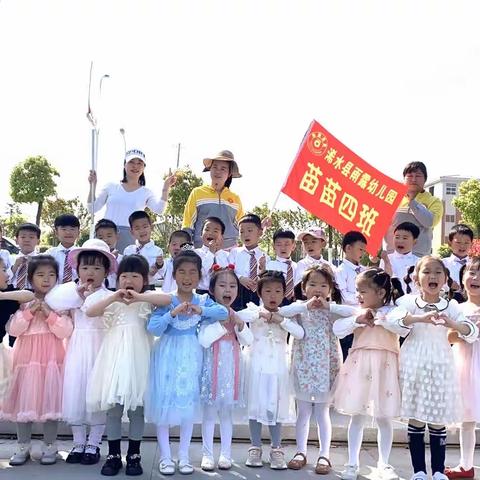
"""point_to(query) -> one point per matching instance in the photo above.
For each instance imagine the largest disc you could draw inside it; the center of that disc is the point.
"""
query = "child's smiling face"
(226, 288)
(211, 232)
(431, 278)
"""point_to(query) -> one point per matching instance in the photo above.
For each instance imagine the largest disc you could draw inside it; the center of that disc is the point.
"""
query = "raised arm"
(20, 296)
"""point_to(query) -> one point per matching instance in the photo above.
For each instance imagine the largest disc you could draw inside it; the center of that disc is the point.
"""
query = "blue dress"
(173, 394)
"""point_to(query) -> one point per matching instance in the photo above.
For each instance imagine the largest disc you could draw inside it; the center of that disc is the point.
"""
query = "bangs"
(92, 257)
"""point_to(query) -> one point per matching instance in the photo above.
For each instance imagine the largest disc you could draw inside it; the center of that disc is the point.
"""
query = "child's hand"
(45, 309)
(183, 308)
(275, 318)
(366, 318)
(159, 262)
(248, 283)
(316, 303)
(194, 309)
(85, 289)
(267, 222)
(37, 304)
(264, 314)
(262, 263)
(18, 263)
(239, 323)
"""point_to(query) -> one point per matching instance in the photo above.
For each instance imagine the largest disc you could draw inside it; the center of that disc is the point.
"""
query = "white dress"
(120, 373)
(82, 351)
(428, 378)
(269, 391)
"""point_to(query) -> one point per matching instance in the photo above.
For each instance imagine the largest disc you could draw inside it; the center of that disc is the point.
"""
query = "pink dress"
(35, 390)
(467, 362)
(368, 382)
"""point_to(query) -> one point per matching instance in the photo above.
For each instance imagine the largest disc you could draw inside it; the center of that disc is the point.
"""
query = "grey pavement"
(400, 459)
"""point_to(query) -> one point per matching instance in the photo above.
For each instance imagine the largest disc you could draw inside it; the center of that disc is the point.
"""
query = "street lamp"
(122, 133)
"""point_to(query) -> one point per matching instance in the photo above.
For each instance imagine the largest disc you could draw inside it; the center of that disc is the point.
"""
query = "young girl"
(35, 391)
(467, 362)
(93, 262)
(316, 362)
(176, 361)
(429, 383)
(119, 377)
(269, 396)
(367, 385)
(10, 301)
(222, 387)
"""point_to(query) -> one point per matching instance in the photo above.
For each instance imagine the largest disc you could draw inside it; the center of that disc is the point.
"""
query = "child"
(354, 246)
(367, 385)
(467, 362)
(316, 361)
(67, 231)
(119, 377)
(94, 262)
(313, 242)
(176, 361)
(141, 229)
(107, 231)
(211, 252)
(284, 245)
(177, 240)
(222, 388)
(5, 256)
(35, 390)
(27, 237)
(430, 392)
(404, 237)
(10, 302)
(460, 240)
(269, 397)
(248, 260)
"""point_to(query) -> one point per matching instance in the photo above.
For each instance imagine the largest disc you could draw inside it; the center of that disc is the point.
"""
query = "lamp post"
(122, 133)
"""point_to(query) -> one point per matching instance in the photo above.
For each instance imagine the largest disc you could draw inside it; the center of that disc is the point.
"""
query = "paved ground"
(400, 459)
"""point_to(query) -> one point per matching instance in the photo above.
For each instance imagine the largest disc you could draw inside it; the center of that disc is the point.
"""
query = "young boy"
(141, 228)
(211, 251)
(107, 231)
(354, 246)
(67, 231)
(27, 237)
(177, 240)
(313, 241)
(404, 237)
(249, 260)
(284, 245)
(460, 241)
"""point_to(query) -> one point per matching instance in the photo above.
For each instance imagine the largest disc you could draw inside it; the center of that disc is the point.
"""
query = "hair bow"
(216, 267)
(186, 246)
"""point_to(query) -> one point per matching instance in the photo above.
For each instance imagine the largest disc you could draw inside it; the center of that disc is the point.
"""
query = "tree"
(32, 181)
(468, 203)
(11, 223)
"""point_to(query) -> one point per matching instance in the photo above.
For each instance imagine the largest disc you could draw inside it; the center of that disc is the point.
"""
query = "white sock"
(95, 436)
(186, 429)
(467, 444)
(163, 438)
(226, 432)
(355, 437)
(79, 434)
(324, 426)
(384, 439)
(302, 427)
(208, 429)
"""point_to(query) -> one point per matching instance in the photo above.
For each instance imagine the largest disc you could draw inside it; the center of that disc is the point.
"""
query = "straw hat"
(224, 156)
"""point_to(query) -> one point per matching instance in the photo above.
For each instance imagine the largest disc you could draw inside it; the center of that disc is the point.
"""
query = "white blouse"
(121, 204)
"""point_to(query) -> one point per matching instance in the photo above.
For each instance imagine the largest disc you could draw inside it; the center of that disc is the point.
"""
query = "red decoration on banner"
(337, 186)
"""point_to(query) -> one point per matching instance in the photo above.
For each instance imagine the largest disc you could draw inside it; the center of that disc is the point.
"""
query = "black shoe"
(112, 466)
(91, 458)
(133, 465)
(75, 456)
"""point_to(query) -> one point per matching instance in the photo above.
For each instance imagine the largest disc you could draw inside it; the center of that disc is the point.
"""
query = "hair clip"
(186, 246)
(216, 267)
(231, 266)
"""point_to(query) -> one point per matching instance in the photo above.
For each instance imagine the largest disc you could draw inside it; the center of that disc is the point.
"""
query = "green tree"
(32, 181)
(11, 223)
(468, 203)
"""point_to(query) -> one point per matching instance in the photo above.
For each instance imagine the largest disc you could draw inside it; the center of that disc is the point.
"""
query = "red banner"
(340, 188)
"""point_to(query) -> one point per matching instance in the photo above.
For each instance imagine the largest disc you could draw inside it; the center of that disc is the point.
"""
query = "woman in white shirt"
(128, 196)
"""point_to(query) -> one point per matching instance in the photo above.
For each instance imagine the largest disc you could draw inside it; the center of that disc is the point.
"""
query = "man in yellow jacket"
(419, 207)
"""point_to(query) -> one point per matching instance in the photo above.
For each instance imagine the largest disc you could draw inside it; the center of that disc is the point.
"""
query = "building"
(446, 189)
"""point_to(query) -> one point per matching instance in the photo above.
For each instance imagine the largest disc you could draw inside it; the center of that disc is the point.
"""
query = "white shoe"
(386, 471)
(166, 466)
(350, 472)
(49, 454)
(208, 464)
(224, 463)
(277, 459)
(439, 476)
(21, 455)
(184, 467)
(419, 476)
(254, 457)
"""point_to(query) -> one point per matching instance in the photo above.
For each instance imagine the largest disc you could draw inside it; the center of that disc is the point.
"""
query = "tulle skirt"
(35, 390)
(467, 361)
(368, 384)
(174, 380)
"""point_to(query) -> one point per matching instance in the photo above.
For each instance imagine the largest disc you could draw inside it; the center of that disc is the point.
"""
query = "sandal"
(322, 468)
(297, 463)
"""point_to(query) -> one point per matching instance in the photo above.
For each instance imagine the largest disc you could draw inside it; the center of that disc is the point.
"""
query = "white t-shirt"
(121, 204)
